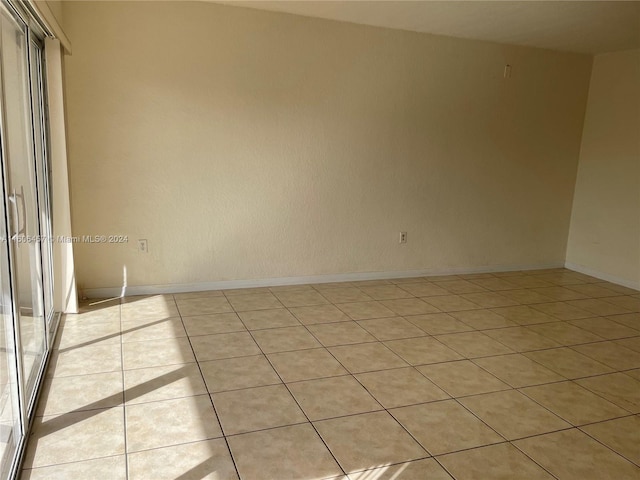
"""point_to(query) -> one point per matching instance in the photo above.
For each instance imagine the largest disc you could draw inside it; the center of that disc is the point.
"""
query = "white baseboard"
(112, 292)
(601, 275)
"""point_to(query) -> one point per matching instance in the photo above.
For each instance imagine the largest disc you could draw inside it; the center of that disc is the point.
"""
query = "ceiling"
(574, 26)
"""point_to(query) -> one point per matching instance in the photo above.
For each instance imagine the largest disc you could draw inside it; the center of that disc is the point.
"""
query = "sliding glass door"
(25, 249)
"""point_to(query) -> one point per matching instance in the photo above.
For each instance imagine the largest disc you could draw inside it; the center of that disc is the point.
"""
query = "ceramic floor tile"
(85, 360)
(154, 307)
(212, 324)
(203, 306)
(409, 306)
(424, 289)
(462, 378)
(443, 278)
(114, 468)
(598, 307)
(444, 427)
(451, 303)
(206, 460)
(391, 328)
(630, 343)
(562, 310)
(74, 437)
(565, 333)
(459, 287)
(427, 469)
(526, 297)
(237, 373)
(618, 388)
(489, 299)
(262, 301)
(407, 280)
(78, 334)
(568, 363)
(621, 435)
(365, 310)
(513, 415)
(363, 441)
(631, 304)
(108, 313)
(319, 314)
(495, 462)
(345, 295)
(612, 354)
(494, 284)
(521, 339)
(342, 333)
(524, 315)
(422, 350)
(252, 409)
(306, 365)
(559, 294)
(224, 345)
(170, 422)
(474, 344)
(333, 397)
(261, 319)
(594, 291)
(595, 326)
(574, 403)
(301, 298)
(204, 293)
(631, 320)
(518, 370)
(400, 387)
(136, 331)
(284, 339)
(163, 383)
(605, 328)
(385, 292)
(634, 373)
(482, 319)
(366, 357)
(620, 289)
(83, 392)
(572, 455)
(259, 455)
(155, 353)
(438, 323)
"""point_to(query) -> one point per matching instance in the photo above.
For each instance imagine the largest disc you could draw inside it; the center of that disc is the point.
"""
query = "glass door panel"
(41, 168)
(21, 199)
(10, 424)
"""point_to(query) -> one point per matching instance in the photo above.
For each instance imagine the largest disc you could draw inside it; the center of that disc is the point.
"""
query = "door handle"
(14, 198)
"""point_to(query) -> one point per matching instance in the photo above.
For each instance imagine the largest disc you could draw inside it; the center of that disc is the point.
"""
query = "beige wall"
(605, 225)
(244, 145)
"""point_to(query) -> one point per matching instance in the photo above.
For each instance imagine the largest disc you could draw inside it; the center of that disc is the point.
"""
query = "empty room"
(320, 240)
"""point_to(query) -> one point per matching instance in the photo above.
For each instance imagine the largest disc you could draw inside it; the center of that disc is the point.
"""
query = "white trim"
(602, 276)
(50, 22)
(113, 292)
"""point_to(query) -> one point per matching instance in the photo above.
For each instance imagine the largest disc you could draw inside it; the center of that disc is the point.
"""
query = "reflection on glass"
(22, 207)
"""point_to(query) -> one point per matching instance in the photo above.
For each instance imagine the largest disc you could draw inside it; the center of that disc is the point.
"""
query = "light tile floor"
(520, 375)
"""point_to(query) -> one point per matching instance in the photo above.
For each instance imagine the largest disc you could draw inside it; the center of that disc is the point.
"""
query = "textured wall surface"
(245, 144)
(605, 224)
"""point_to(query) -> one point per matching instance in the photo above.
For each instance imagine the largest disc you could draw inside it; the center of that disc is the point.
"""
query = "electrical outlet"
(403, 237)
(143, 246)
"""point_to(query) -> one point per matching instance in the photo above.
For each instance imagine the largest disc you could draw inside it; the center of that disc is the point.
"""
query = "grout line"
(123, 399)
(209, 394)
